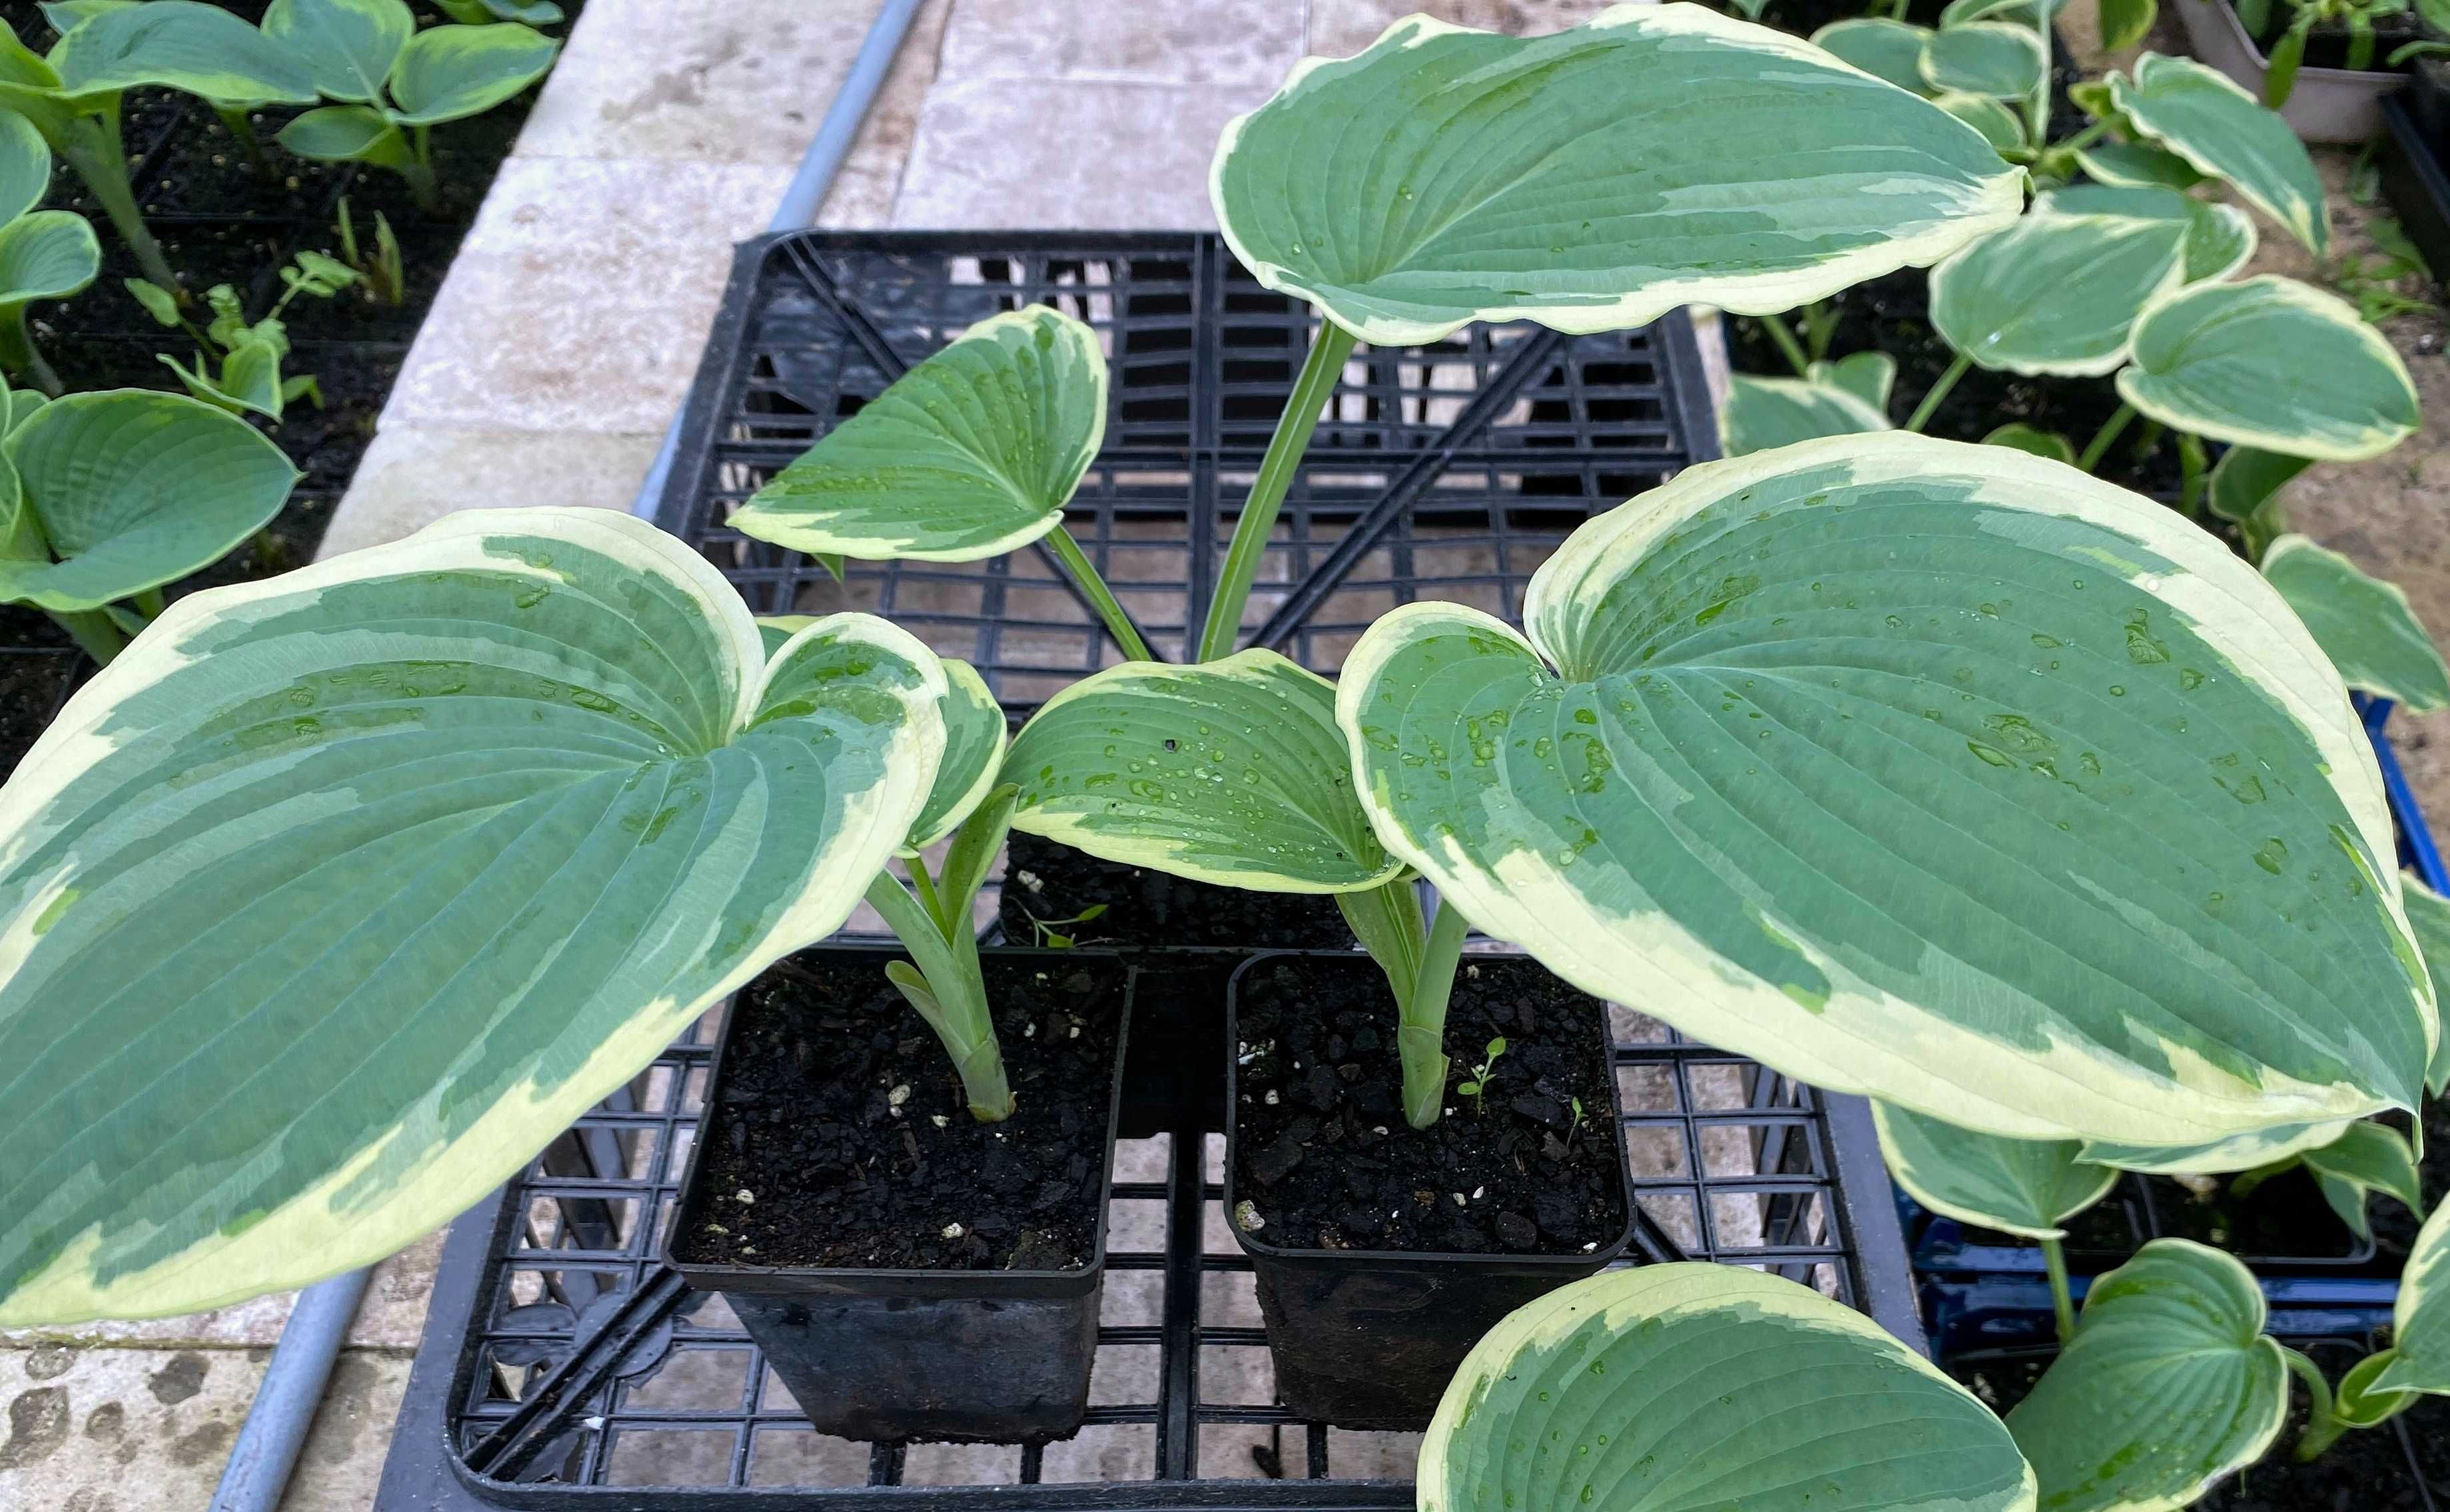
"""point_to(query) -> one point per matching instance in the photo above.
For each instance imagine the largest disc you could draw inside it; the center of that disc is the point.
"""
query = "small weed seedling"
(1477, 1088)
(1048, 932)
(248, 355)
(385, 281)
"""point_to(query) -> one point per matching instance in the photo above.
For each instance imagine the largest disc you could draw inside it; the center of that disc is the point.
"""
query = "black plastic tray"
(563, 1367)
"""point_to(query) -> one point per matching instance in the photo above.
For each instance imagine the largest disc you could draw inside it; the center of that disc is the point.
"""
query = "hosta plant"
(238, 361)
(44, 254)
(394, 84)
(72, 94)
(337, 894)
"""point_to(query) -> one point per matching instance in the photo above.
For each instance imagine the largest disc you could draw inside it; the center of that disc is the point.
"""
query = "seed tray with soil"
(2326, 46)
(2397, 1467)
(1046, 883)
(839, 1114)
(1322, 1156)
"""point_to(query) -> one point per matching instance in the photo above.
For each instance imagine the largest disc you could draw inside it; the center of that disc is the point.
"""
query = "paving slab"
(706, 83)
(391, 1315)
(414, 474)
(861, 197)
(1245, 43)
(1021, 153)
(581, 298)
(1339, 28)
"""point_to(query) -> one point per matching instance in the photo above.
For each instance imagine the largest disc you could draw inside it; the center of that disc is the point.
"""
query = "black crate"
(563, 1367)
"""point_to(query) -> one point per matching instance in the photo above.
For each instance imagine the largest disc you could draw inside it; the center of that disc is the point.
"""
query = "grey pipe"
(266, 1450)
(815, 179)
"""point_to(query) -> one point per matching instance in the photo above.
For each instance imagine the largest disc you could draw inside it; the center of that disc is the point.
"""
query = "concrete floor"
(564, 340)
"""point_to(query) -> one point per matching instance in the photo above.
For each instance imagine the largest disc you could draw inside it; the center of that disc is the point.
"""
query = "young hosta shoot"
(342, 893)
(72, 96)
(1686, 1386)
(1621, 187)
(44, 254)
(971, 453)
(395, 83)
(249, 354)
(2170, 1385)
(1730, 775)
(114, 495)
(1234, 773)
(931, 916)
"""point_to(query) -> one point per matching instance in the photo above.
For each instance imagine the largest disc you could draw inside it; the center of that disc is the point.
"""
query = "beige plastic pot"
(2328, 104)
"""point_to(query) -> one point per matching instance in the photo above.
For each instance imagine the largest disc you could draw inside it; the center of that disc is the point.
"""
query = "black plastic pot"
(1370, 1338)
(2410, 154)
(958, 1356)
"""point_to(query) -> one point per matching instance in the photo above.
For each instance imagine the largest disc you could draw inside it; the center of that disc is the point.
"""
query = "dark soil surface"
(2098, 1238)
(2394, 1226)
(2369, 1470)
(2283, 1218)
(33, 684)
(1890, 314)
(1321, 1149)
(842, 1175)
(1047, 882)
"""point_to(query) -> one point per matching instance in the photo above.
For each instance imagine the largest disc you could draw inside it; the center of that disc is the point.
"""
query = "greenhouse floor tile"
(414, 474)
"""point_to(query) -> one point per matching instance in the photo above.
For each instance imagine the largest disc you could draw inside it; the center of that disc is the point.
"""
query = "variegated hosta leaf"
(2000, 127)
(1868, 376)
(2019, 1186)
(2219, 237)
(2428, 915)
(1681, 1386)
(2367, 1158)
(1763, 414)
(1231, 771)
(2364, 625)
(181, 45)
(2243, 1151)
(340, 893)
(2223, 132)
(25, 166)
(2058, 291)
(2219, 242)
(971, 453)
(2136, 165)
(1983, 57)
(2421, 1318)
(2169, 1385)
(1593, 178)
(134, 489)
(2270, 363)
(976, 734)
(449, 74)
(2023, 437)
(1931, 771)
(2015, 12)
(349, 45)
(2245, 487)
(47, 255)
(1881, 47)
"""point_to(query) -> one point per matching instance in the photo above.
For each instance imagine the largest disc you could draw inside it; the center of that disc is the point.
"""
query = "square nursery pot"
(2338, 105)
(1368, 1319)
(988, 1339)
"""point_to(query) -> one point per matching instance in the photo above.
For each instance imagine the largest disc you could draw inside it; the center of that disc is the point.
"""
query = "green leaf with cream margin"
(1990, 58)
(1936, 772)
(1230, 772)
(1880, 46)
(976, 735)
(2059, 291)
(2428, 913)
(1763, 414)
(1592, 178)
(1684, 1386)
(2170, 1385)
(129, 489)
(2261, 1147)
(2223, 132)
(203, 49)
(971, 453)
(2019, 1186)
(2219, 237)
(2365, 625)
(2421, 1317)
(337, 894)
(2208, 360)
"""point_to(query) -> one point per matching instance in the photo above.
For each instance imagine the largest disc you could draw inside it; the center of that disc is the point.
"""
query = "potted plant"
(2324, 65)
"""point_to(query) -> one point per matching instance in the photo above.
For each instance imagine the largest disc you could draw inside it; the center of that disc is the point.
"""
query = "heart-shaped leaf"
(1673, 1387)
(2059, 291)
(345, 133)
(2367, 1158)
(47, 255)
(1936, 772)
(1881, 47)
(1762, 414)
(1231, 771)
(2223, 132)
(2428, 915)
(1868, 376)
(2364, 625)
(24, 167)
(447, 73)
(2205, 361)
(181, 45)
(134, 489)
(2000, 127)
(2219, 237)
(1593, 178)
(2421, 1318)
(349, 45)
(2023, 437)
(2019, 1186)
(971, 453)
(337, 894)
(2263, 1147)
(1983, 57)
(2137, 165)
(2169, 1385)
